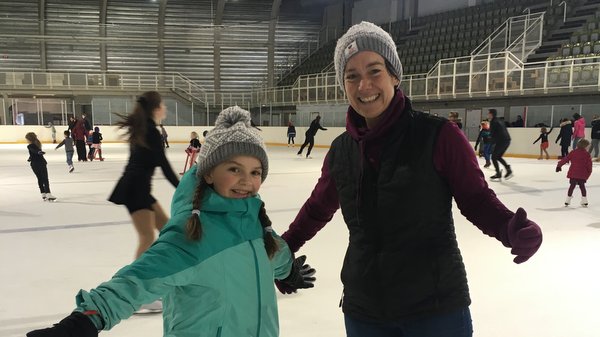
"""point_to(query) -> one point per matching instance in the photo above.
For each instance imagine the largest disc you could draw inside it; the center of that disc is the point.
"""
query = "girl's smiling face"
(238, 177)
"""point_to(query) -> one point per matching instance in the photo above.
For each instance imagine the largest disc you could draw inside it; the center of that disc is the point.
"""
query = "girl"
(579, 171)
(485, 137)
(578, 129)
(38, 165)
(191, 151)
(291, 133)
(215, 261)
(134, 187)
(564, 135)
(544, 145)
(97, 144)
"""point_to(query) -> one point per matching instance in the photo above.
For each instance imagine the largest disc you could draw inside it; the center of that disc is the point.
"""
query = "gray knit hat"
(365, 36)
(232, 136)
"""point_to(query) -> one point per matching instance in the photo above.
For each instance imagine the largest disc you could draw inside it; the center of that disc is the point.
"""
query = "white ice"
(48, 251)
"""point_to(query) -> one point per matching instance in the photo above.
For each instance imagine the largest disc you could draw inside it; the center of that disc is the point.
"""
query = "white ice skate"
(50, 197)
(71, 168)
(568, 201)
(584, 202)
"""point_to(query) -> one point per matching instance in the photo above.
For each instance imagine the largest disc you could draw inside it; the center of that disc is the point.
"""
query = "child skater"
(580, 170)
(214, 262)
(90, 142)
(97, 144)
(544, 144)
(191, 151)
(485, 138)
(38, 165)
(69, 150)
(291, 133)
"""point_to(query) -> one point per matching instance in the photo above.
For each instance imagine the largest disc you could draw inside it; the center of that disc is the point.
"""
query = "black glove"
(301, 276)
(74, 325)
(558, 169)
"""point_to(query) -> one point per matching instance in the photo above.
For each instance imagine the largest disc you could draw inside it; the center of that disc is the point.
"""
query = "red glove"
(525, 236)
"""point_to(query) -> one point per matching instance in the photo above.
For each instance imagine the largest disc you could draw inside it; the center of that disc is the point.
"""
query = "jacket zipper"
(257, 288)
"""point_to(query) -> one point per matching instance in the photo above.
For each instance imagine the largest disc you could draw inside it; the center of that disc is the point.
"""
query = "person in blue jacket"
(215, 260)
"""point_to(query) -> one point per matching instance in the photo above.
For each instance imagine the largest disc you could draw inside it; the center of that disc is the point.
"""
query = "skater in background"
(309, 139)
(565, 134)
(68, 143)
(97, 144)
(90, 142)
(71, 123)
(39, 165)
(394, 173)
(191, 151)
(453, 117)
(578, 129)
(79, 135)
(544, 142)
(485, 139)
(134, 188)
(214, 262)
(595, 137)
(501, 142)
(194, 143)
(579, 170)
(291, 133)
(53, 130)
(165, 136)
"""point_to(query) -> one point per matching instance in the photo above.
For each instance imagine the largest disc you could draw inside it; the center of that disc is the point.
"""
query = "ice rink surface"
(48, 251)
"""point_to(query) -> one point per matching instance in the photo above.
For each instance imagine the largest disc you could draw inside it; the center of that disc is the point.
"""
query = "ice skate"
(568, 201)
(308, 157)
(487, 164)
(150, 308)
(497, 176)
(71, 168)
(44, 197)
(584, 202)
(50, 197)
(509, 173)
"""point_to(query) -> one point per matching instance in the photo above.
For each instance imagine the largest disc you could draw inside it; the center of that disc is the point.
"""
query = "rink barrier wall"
(521, 144)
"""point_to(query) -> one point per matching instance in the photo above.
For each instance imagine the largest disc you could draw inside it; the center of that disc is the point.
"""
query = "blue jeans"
(453, 324)
(69, 158)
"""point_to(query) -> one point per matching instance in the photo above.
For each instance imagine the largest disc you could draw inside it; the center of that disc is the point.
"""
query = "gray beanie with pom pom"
(365, 36)
(232, 136)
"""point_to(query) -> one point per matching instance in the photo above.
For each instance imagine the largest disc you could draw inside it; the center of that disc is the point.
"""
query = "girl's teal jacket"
(221, 285)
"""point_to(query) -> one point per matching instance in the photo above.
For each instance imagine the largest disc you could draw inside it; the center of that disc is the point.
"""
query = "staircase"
(562, 32)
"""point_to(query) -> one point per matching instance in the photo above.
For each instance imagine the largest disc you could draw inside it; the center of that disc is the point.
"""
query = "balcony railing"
(482, 75)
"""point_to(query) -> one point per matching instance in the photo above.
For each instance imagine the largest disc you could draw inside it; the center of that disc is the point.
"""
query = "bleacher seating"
(430, 38)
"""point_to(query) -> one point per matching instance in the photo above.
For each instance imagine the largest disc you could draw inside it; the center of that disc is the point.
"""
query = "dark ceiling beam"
(42, 31)
(271, 43)
(162, 8)
(217, 45)
(102, 31)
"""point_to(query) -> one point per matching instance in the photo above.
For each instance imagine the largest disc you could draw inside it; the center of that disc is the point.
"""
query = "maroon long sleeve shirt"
(454, 160)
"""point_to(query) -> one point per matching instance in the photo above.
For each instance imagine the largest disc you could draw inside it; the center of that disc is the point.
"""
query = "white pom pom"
(233, 115)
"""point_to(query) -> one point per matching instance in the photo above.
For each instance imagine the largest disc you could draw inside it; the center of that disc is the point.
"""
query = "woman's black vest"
(403, 260)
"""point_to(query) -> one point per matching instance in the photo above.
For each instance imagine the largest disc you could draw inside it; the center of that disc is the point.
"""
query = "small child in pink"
(580, 170)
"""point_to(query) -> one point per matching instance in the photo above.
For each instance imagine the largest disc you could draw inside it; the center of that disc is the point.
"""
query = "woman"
(394, 173)
(146, 153)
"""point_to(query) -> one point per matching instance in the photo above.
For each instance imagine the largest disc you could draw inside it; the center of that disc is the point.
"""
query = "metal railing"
(502, 75)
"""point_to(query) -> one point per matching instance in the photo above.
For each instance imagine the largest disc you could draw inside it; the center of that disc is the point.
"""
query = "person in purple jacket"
(394, 173)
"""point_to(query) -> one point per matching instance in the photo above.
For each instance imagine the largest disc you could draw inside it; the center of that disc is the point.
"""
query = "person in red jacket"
(580, 170)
